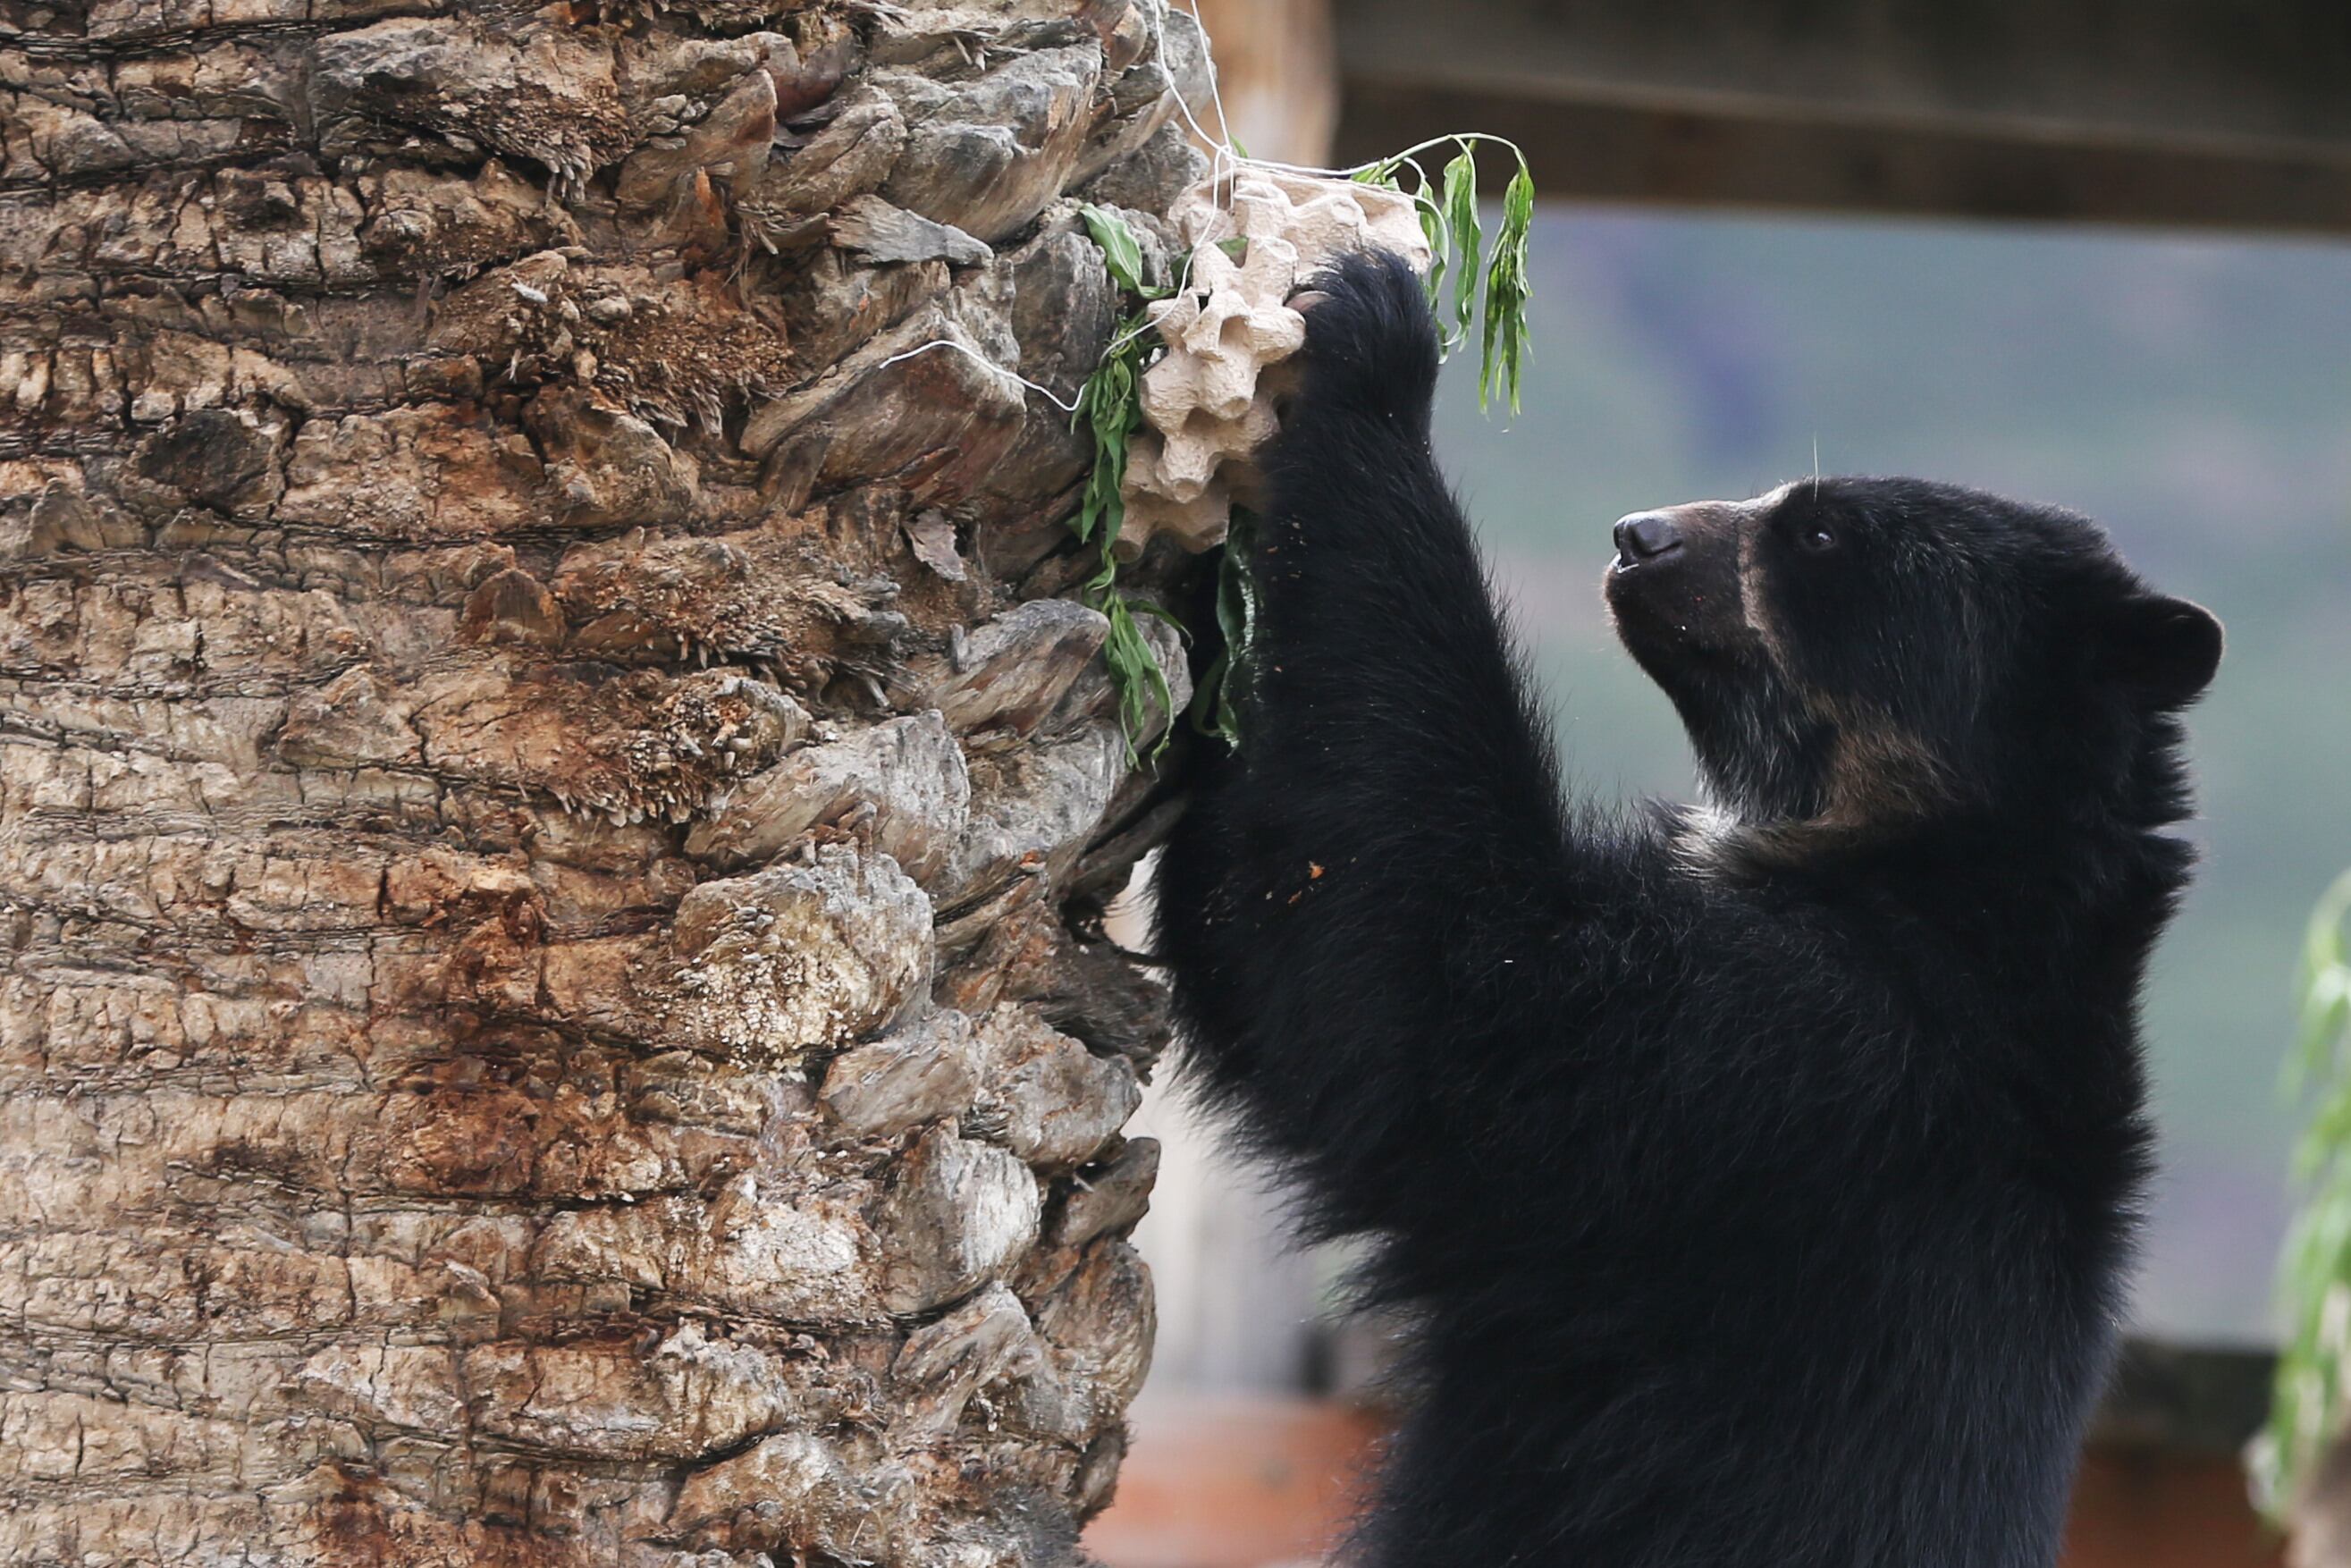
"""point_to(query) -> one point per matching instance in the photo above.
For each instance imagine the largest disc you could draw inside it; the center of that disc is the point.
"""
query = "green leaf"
(1134, 671)
(1110, 407)
(2306, 1407)
(1109, 410)
(2325, 1028)
(1237, 606)
(1460, 202)
(1122, 252)
(1432, 229)
(1207, 713)
(1503, 341)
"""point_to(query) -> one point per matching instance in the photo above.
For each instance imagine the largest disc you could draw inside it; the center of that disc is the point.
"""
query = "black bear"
(1758, 1178)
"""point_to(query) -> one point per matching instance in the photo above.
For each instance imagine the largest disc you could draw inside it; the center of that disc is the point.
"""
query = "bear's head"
(1858, 655)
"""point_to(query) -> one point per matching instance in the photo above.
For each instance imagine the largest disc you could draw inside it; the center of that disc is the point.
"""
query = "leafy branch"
(2306, 1403)
(1216, 705)
(1489, 290)
(1109, 405)
(1447, 208)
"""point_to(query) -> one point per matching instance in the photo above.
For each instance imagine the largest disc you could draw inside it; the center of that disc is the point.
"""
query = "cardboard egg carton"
(1256, 236)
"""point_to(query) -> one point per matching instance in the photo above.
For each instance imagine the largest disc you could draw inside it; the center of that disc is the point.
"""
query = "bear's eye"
(1818, 538)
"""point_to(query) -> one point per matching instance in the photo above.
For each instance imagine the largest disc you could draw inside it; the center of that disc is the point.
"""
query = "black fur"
(1761, 1177)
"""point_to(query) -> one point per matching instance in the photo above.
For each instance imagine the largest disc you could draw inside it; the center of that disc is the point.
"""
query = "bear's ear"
(2166, 648)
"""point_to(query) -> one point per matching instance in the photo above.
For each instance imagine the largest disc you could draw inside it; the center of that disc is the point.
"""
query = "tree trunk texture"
(555, 792)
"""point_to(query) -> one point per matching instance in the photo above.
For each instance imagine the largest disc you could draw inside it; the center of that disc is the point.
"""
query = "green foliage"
(2307, 1401)
(1216, 705)
(1122, 252)
(1461, 204)
(1507, 292)
(1109, 409)
(1134, 672)
(1447, 208)
(1110, 406)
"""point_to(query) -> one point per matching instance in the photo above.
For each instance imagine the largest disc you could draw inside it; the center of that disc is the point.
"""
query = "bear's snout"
(1644, 536)
(1675, 582)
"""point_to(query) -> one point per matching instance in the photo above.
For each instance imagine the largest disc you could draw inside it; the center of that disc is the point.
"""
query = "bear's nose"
(1644, 536)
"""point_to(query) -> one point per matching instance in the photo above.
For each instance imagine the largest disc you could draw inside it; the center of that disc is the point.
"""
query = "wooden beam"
(2188, 1401)
(1277, 75)
(2169, 112)
(2136, 1507)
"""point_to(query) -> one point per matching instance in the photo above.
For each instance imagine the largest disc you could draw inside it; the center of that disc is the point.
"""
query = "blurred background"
(1985, 243)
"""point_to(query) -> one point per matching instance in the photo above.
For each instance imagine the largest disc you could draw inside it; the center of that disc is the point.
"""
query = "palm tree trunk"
(548, 806)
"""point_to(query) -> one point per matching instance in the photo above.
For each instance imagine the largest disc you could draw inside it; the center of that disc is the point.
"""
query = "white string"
(1225, 159)
(975, 357)
(1225, 154)
(1221, 146)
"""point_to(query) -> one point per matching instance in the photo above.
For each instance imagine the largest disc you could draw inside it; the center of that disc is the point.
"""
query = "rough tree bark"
(553, 787)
